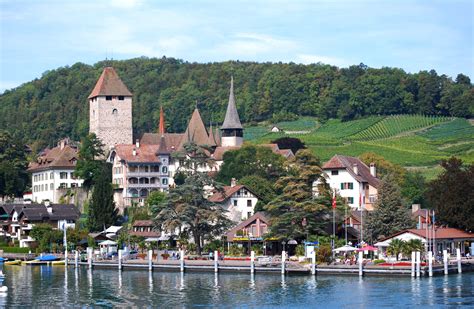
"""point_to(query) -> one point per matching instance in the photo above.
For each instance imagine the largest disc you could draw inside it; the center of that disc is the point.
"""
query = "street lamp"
(283, 243)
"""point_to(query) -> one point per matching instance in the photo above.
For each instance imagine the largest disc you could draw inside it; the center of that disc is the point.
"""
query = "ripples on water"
(53, 286)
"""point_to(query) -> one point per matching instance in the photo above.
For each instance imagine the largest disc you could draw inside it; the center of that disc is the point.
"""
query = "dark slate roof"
(64, 212)
(231, 120)
(347, 163)
(39, 212)
(163, 149)
(109, 83)
(196, 131)
(9, 207)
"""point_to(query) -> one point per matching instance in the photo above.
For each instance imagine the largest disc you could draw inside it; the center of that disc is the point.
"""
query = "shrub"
(300, 250)
(378, 261)
(14, 249)
(323, 254)
(235, 250)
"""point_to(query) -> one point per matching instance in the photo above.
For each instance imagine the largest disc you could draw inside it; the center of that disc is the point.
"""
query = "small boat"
(47, 258)
(58, 262)
(2, 259)
(15, 262)
(3, 289)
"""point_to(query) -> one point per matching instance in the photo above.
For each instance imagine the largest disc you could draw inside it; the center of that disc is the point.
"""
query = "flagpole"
(361, 225)
(333, 222)
(345, 222)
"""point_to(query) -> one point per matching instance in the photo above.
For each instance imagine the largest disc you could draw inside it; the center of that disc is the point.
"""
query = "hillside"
(55, 105)
(412, 141)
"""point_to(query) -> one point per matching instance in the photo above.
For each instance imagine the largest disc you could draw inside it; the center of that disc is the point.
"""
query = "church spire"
(231, 120)
(161, 126)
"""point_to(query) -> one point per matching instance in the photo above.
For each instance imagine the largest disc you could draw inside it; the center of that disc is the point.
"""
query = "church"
(147, 164)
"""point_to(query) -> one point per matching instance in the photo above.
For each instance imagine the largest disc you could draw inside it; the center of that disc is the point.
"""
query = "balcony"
(144, 185)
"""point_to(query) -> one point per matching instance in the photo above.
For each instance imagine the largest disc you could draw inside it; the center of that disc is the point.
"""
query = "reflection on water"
(43, 286)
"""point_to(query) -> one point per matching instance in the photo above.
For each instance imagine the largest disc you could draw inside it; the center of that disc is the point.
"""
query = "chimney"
(355, 167)
(415, 208)
(62, 143)
(137, 143)
(373, 171)
(233, 182)
(134, 152)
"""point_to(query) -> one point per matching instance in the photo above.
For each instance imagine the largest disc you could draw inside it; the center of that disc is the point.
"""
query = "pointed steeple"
(211, 141)
(161, 126)
(196, 130)
(109, 84)
(231, 120)
(162, 149)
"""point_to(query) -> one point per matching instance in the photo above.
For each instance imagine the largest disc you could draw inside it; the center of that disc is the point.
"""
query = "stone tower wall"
(111, 120)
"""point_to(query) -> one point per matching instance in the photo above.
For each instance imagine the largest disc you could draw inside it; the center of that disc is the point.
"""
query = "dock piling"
(89, 257)
(430, 264)
(150, 262)
(120, 253)
(445, 261)
(418, 264)
(413, 258)
(458, 259)
(181, 260)
(283, 259)
(361, 257)
(65, 257)
(313, 262)
(76, 258)
(252, 262)
(216, 261)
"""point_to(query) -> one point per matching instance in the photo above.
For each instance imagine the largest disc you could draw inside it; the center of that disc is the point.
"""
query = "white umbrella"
(345, 248)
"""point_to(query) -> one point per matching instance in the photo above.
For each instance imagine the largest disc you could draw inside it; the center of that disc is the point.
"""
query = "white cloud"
(252, 44)
(308, 58)
(125, 4)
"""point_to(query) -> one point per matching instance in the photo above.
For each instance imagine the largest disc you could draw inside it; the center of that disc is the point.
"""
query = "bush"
(235, 250)
(323, 254)
(378, 261)
(300, 250)
(15, 249)
(258, 249)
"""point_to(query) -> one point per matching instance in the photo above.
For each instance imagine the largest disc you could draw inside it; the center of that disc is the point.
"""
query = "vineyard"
(395, 125)
(414, 141)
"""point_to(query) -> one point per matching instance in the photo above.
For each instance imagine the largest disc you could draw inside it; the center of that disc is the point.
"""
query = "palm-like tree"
(396, 247)
(413, 245)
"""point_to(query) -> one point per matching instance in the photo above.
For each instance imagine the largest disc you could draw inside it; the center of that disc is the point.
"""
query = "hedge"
(15, 250)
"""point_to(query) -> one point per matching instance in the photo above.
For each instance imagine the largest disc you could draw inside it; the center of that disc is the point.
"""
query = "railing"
(144, 185)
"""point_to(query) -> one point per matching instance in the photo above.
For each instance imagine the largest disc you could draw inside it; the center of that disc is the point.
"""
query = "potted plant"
(165, 256)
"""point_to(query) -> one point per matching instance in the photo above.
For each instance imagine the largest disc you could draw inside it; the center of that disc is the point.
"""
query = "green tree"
(396, 247)
(261, 187)
(292, 143)
(296, 213)
(389, 215)
(13, 164)
(187, 208)
(102, 211)
(46, 237)
(413, 245)
(414, 187)
(452, 194)
(89, 165)
(251, 160)
(384, 167)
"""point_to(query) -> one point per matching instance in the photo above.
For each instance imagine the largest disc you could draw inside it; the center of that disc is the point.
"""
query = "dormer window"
(108, 98)
(120, 97)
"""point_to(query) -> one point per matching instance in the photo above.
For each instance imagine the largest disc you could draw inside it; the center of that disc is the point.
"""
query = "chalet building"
(19, 219)
(445, 238)
(149, 164)
(238, 200)
(352, 180)
(144, 228)
(52, 174)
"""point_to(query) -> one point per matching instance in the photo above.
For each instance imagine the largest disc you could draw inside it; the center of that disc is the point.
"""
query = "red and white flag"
(334, 200)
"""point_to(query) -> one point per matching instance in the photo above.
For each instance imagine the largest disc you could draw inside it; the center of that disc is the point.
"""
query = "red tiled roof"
(218, 154)
(56, 158)
(145, 153)
(143, 223)
(347, 163)
(196, 131)
(443, 233)
(220, 197)
(246, 223)
(109, 83)
(173, 140)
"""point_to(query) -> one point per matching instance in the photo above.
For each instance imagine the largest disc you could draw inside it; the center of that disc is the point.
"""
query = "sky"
(41, 35)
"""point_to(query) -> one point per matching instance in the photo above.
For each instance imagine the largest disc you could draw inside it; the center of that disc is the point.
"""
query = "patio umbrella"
(367, 248)
(345, 248)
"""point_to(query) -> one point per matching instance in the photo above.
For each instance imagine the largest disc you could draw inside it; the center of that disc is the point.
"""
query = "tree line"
(48, 108)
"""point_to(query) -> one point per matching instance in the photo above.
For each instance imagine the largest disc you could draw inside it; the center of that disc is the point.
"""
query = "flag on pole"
(334, 199)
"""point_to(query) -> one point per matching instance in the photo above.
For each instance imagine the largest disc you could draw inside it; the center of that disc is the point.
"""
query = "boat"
(62, 262)
(2, 259)
(3, 289)
(47, 258)
(15, 262)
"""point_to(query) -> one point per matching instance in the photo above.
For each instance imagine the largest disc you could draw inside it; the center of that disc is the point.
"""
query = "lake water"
(33, 286)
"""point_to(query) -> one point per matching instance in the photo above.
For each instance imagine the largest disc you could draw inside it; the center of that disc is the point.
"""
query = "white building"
(352, 180)
(238, 200)
(53, 172)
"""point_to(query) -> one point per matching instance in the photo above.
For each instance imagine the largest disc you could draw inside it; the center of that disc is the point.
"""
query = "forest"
(46, 109)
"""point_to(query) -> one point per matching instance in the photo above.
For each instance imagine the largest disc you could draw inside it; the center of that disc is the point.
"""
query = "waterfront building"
(52, 174)
(238, 201)
(144, 228)
(350, 178)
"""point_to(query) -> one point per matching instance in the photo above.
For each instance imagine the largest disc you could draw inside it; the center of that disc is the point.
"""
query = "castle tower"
(110, 110)
(232, 130)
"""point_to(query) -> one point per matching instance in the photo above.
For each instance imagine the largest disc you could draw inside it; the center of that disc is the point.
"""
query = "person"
(211, 255)
(177, 256)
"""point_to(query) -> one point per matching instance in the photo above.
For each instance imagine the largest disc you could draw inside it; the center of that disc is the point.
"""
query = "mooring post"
(430, 264)
(216, 261)
(361, 257)
(445, 261)
(458, 258)
(181, 260)
(89, 257)
(283, 259)
(313, 262)
(252, 262)
(413, 258)
(120, 259)
(65, 257)
(418, 264)
(76, 258)
(150, 260)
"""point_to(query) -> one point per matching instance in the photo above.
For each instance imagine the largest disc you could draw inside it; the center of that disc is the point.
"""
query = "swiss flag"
(334, 200)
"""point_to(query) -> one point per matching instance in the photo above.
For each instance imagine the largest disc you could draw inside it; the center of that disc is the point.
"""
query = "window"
(335, 172)
(108, 98)
(164, 170)
(45, 176)
(42, 177)
(235, 202)
(114, 111)
(51, 175)
(63, 175)
(347, 186)
(164, 161)
(120, 97)
(72, 175)
(249, 203)
(63, 185)
(51, 186)
(164, 181)
(372, 198)
(73, 185)
(350, 200)
(249, 214)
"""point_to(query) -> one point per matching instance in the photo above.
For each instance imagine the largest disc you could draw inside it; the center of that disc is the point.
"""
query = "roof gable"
(109, 83)
(347, 163)
(196, 131)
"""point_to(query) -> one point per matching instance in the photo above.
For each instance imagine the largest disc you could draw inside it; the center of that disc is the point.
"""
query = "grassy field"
(414, 141)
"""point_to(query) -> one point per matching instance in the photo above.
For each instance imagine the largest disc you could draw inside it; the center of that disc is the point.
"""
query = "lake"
(54, 286)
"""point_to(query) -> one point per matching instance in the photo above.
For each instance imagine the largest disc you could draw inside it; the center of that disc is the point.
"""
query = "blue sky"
(414, 35)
